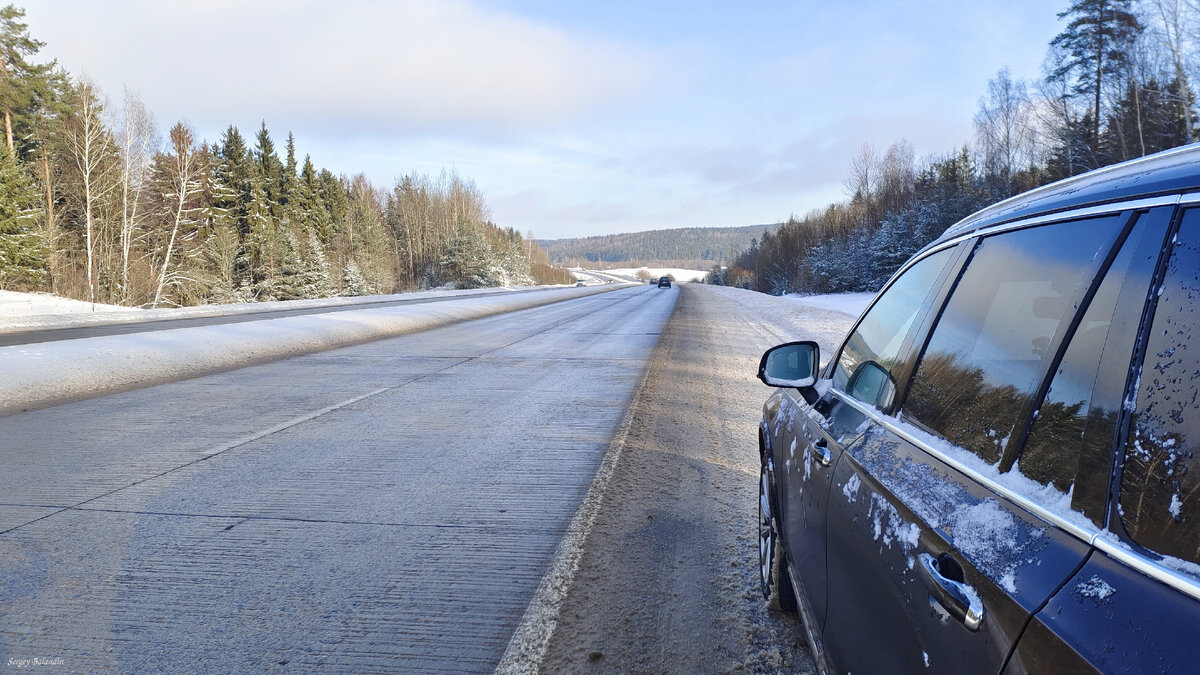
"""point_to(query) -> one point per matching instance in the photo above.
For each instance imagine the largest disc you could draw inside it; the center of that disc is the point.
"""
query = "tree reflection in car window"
(878, 337)
(1160, 482)
(1073, 429)
(984, 357)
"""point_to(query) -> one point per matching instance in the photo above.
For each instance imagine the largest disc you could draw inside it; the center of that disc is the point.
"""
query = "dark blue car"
(999, 469)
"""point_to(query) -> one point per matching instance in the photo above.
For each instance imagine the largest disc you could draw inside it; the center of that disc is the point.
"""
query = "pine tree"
(353, 282)
(220, 258)
(1097, 43)
(469, 261)
(317, 282)
(291, 281)
(23, 251)
(270, 171)
(19, 79)
(234, 179)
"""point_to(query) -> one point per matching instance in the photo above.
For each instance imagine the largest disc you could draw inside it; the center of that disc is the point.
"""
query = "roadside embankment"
(48, 373)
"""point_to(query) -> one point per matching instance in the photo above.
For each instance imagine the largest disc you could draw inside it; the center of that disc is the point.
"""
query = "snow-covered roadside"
(770, 305)
(21, 312)
(42, 374)
(14, 304)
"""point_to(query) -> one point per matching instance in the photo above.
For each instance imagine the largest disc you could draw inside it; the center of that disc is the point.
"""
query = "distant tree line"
(696, 247)
(95, 206)
(1115, 87)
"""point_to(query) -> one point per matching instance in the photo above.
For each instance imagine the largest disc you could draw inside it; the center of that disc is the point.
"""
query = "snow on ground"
(45, 373)
(824, 318)
(761, 304)
(20, 312)
(680, 274)
(847, 303)
(13, 304)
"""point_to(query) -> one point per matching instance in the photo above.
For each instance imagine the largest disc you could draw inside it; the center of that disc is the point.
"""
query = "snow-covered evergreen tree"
(291, 282)
(469, 261)
(22, 249)
(316, 281)
(353, 282)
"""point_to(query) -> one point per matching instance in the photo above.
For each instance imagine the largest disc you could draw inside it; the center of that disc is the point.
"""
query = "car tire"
(772, 567)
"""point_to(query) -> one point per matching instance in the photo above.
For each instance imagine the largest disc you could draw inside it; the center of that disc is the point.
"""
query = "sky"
(574, 118)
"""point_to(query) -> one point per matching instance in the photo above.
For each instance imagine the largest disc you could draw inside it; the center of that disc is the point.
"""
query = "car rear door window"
(864, 367)
(1160, 480)
(985, 356)
(1070, 444)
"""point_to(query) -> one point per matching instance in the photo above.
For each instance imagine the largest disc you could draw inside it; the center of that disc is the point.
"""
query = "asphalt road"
(389, 507)
(668, 579)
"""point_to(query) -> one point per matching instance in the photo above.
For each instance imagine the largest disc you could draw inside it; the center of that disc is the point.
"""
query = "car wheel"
(772, 570)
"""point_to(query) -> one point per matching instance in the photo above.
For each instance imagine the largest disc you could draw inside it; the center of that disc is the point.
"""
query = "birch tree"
(1003, 130)
(91, 149)
(135, 139)
(182, 173)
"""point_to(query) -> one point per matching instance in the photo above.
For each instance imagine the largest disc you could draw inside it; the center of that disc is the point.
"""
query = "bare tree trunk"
(1099, 74)
(88, 141)
(184, 179)
(8, 134)
(51, 227)
(1175, 25)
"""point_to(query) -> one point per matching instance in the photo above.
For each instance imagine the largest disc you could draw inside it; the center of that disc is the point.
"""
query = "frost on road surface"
(668, 580)
(387, 507)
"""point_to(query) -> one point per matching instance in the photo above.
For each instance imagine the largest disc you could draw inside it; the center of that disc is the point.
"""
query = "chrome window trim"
(1177, 580)
(1075, 214)
(1091, 536)
(1085, 212)
(1024, 502)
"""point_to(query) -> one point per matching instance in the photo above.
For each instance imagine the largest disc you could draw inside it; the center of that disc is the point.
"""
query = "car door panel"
(806, 441)
(891, 502)
(1112, 618)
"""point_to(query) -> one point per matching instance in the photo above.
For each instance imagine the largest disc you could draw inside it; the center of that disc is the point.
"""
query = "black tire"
(772, 569)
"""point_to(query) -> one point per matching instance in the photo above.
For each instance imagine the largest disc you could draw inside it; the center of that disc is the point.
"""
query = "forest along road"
(386, 507)
(668, 578)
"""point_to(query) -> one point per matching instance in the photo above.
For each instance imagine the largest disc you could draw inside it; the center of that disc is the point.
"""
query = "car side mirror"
(794, 364)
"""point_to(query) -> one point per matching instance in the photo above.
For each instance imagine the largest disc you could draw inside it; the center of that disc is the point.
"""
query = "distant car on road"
(578, 284)
(664, 282)
(999, 469)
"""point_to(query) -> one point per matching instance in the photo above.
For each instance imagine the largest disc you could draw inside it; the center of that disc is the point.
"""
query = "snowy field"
(679, 273)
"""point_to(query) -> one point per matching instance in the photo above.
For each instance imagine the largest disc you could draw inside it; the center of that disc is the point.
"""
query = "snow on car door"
(931, 550)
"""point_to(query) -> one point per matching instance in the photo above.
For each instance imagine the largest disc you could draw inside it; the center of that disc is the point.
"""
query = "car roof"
(1169, 172)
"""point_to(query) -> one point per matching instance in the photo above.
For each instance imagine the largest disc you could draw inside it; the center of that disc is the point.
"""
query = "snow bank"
(851, 304)
(20, 312)
(14, 304)
(43, 374)
(846, 303)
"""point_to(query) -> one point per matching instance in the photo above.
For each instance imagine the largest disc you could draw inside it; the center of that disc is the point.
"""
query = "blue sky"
(574, 118)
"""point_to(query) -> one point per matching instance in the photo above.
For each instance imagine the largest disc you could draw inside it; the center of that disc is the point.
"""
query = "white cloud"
(369, 67)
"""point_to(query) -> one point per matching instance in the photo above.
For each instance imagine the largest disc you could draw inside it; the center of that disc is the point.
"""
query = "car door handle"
(959, 599)
(820, 450)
